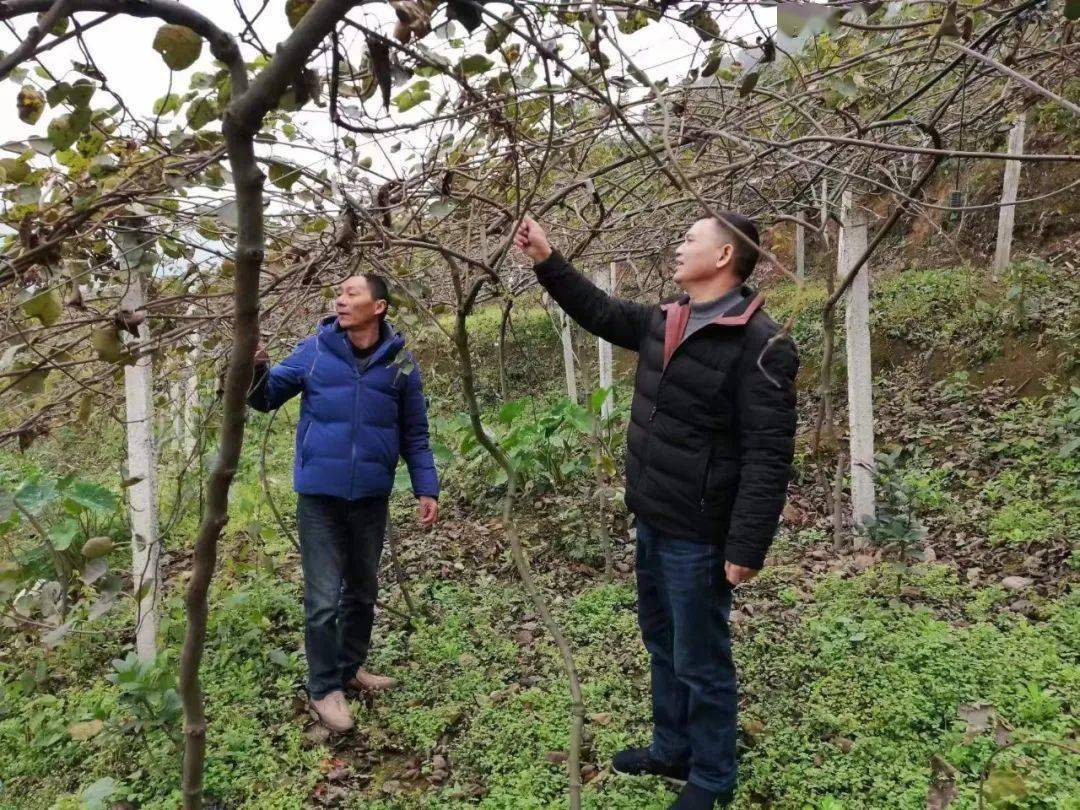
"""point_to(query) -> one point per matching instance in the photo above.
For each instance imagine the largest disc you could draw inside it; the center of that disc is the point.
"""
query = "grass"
(856, 700)
(847, 703)
(857, 693)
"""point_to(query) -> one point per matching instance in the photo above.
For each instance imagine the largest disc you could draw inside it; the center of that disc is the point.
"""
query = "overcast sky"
(121, 48)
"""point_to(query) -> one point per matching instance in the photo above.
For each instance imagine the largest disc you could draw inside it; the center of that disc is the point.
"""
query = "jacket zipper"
(663, 374)
(355, 412)
(656, 404)
(705, 482)
(357, 376)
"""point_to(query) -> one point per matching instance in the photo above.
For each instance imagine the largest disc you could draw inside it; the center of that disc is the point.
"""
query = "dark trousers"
(340, 545)
(684, 601)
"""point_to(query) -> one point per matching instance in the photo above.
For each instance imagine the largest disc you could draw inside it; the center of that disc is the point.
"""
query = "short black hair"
(745, 256)
(379, 290)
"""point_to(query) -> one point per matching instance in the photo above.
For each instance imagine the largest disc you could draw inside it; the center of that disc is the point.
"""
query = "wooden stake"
(860, 393)
(142, 495)
(1009, 189)
(605, 280)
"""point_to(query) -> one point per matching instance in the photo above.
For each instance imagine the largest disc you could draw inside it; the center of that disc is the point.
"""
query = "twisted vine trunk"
(240, 124)
(249, 252)
(521, 561)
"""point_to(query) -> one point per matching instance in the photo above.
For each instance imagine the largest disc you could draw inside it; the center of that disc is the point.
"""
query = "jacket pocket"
(303, 444)
(718, 484)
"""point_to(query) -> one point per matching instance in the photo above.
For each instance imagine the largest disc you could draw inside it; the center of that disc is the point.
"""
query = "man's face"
(705, 251)
(356, 307)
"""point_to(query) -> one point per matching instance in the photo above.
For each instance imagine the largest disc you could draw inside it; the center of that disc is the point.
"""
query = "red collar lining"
(675, 327)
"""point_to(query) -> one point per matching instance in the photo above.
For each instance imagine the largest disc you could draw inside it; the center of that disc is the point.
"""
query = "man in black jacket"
(709, 451)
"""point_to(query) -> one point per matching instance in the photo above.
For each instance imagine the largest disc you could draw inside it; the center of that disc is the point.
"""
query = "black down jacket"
(711, 436)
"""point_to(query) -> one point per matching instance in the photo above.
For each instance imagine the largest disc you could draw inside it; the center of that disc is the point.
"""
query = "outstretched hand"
(531, 239)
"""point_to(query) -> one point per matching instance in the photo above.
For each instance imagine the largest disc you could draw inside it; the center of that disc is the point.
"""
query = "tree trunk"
(240, 123)
(1009, 189)
(142, 495)
(504, 322)
(399, 572)
(857, 328)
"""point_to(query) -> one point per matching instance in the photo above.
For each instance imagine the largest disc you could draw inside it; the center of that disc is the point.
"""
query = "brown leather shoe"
(334, 712)
(365, 681)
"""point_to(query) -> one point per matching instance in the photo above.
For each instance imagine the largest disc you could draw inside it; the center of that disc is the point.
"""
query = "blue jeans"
(340, 545)
(684, 601)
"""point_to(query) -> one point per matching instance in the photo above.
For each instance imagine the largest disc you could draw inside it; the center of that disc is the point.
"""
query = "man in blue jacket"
(362, 406)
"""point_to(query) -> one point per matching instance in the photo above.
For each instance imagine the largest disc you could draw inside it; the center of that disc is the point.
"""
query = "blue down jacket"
(354, 424)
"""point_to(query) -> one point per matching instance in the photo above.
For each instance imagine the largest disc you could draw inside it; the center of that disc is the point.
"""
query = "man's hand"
(738, 574)
(428, 511)
(532, 240)
(261, 357)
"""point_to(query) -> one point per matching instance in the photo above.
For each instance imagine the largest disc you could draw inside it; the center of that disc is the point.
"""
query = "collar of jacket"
(678, 315)
(333, 337)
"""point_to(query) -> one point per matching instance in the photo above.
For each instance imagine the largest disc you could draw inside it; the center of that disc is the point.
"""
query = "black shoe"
(694, 797)
(639, 762)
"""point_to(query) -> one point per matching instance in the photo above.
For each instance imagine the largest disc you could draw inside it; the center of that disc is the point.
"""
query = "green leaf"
(412, 95)
(1003, 784)
(599, 397)
(63, 534)
(31, 104)
(201, 112)
(477, 63)
(63, 131)
(33, 496)
(45, 306)
(178, 45)
(579, 418)
(511, 411)
(296, 9)
(748, 83)
(81, 92)
(80, 118)
(283, 175)
(57, 94)
(93, 496)
(699, 18)
(633, 21)
(496, 36)
(95, 796)
(167, 104)
(13, 170)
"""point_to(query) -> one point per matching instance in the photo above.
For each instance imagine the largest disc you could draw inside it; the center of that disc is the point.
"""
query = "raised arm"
(273, 387)
(618, 321)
